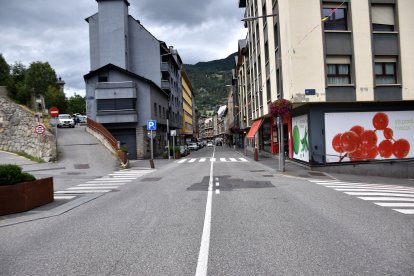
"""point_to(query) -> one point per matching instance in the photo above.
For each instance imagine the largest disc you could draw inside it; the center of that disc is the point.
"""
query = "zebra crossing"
(210, 159)
(103, 184)
(398, 198)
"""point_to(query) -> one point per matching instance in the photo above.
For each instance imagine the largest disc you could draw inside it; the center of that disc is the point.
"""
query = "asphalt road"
(258, 223)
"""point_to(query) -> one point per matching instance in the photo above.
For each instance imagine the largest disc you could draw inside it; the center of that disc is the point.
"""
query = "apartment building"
(347, 67)
(134, 78)
(188, 128)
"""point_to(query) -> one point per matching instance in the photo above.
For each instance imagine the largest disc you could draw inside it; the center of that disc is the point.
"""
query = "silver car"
(65, 120)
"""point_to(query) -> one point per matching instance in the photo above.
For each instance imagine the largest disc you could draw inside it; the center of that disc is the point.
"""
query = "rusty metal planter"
(25, 196)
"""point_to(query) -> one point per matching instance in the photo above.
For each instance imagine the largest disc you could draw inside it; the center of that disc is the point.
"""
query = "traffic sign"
(54, 111)
(151, 125)
(39, 129)
(173, 132)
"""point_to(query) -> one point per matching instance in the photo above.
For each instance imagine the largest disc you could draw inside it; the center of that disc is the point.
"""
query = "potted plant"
(20, 191)
(280, 107)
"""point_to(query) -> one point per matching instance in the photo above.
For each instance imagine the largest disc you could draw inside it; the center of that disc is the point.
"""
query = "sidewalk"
(294, 169)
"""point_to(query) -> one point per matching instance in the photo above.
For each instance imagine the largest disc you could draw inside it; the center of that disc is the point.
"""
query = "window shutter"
(383, 14)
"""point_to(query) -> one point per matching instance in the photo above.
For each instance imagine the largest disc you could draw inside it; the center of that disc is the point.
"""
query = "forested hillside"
(209, 80)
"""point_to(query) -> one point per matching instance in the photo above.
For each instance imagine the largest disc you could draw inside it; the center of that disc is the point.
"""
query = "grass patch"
(28, 156)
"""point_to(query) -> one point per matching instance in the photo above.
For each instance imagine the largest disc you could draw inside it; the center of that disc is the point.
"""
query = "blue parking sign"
(151, 125)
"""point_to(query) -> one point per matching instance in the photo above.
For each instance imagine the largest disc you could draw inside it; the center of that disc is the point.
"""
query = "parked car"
(184, 151)
(65, 120)
(219, 143)
(193, 146)
(209, 144)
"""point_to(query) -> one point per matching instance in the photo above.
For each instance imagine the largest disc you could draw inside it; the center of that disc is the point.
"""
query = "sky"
(55, 31)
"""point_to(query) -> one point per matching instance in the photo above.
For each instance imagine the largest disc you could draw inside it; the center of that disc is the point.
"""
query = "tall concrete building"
(344, 66)
(134, 78)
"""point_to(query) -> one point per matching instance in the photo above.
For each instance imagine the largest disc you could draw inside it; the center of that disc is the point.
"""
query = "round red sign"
(39, 129)
(54, 111)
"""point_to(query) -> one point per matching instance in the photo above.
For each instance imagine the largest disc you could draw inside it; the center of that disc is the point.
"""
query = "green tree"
(39, 76)
(16, 86)
(56, 98)
(4, 71)
(77, 104)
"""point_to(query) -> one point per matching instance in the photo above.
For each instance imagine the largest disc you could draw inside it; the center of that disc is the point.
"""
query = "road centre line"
(202, 262)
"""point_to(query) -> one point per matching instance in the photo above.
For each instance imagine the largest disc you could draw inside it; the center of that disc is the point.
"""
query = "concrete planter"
(25, 196)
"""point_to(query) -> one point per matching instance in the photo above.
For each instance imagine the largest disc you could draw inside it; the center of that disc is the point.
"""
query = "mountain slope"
(209, 80)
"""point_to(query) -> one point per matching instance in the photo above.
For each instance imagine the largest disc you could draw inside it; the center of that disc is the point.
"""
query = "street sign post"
(151, 126)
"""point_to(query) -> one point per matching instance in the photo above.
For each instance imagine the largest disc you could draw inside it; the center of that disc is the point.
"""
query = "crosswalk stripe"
(223, 160)
(233, 159)
(192, 160)
(117, 177)
(397, 204)
(108, 181)
(93, 187)
(83, 192)
(182, 160)
(99, 184)
(367, 186)
(243, 159)
(387, 199)
(405, 211)
(388, 190)
(212, 159)
(63, 197)
(202, 160)
(377, 194)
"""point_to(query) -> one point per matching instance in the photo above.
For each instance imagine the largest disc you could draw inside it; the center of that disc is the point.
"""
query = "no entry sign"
(54, 111)
(39, 129)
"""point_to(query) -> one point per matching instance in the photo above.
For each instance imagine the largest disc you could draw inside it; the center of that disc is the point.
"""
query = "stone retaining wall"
(17, 131)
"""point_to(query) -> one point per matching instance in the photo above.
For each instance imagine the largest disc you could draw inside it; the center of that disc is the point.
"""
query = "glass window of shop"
(266, 142)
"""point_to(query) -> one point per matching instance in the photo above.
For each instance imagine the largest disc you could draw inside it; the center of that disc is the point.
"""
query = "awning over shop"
(254, 128)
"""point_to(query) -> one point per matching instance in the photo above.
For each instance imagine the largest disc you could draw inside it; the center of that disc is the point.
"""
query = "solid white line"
(223, 160)
(243, 159)
(377, 194)
(405, 211)
(63, 197)
(202, 160)
(387, 199)
(205, 239)
(182, 160)
(397, 204)
(217, 191)
(94, 187)
(82, 192)
(388, 190)
(192, 160)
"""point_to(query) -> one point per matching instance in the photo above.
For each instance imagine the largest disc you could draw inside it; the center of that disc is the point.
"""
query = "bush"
(12, 174)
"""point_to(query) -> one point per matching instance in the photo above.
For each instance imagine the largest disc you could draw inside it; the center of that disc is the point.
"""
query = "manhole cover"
(151, 179)
(316, 173)
(81, 166)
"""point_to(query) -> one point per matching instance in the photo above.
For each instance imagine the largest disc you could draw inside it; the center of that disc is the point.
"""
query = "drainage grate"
(151, 179)
(81, 166)
(316, 173)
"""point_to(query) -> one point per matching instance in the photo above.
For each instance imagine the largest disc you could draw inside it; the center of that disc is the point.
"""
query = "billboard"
(362, 136)
(300, 138)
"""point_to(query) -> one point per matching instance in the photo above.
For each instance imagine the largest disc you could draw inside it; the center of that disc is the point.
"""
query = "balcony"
(166, 85)
(165, 67)
(116, 117)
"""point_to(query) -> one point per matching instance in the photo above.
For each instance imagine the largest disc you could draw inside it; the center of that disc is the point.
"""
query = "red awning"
(254, 128)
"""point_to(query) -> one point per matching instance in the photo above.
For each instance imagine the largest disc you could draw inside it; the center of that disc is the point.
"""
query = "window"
(276, 37)
(155, 109)
(268, 91)
(159, 110)
(115, 104)
(102, 78)
(385, 71)
(383, 19)
(338, 70)
(163, 112)
(335, 17)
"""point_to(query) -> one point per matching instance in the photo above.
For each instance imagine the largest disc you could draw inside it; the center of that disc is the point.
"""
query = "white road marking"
(388, 190)
(217, 179)
(94, 187)
(217, 191)
(83, 192)
(182, 160)
(192, 160)
(405, 211)
(233, 159)
(217, 184)
(370, 186)
(99, 184)
(108, 181)
(212, 159)
(397, 204)
(202, 160)
(377, 194)
(243, 159)
(202, 262)
(63, 197)
(118, 178)
(223, 160)
(387, 199)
